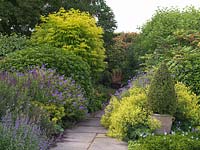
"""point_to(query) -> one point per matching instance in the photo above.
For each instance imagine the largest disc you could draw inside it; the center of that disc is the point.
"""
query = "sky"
(131, 14)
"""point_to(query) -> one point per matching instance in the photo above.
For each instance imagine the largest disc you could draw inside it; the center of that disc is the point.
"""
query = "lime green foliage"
(56, 112)
(65, 63)
(188, 109)
(74, 31)
(11, 43)
(128, 118)
(182, 141)
(161, 95)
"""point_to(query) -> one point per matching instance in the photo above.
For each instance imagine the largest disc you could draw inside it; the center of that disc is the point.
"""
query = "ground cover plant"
(178, 141)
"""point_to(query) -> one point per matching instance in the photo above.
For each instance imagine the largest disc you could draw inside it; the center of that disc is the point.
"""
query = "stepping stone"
(85, 129)
(79, 137)
(94, 122)
(106, 143)
(71, 146)
(99, 114)
(89, 135)
(101, 135)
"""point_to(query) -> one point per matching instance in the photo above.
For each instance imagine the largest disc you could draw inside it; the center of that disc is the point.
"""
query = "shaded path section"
(89, 135)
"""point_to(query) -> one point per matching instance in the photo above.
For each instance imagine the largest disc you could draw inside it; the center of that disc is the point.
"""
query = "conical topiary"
(161, 95)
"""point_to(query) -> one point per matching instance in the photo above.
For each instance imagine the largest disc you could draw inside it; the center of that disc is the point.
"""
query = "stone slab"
(99, 114)
(101, 135)
(79, 137)
(71, 146)
(94, 122)
(108, 144)
(85, 129)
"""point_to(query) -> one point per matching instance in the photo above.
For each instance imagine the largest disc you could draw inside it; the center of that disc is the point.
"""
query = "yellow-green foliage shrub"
(128, 118)
(188, 109)
(74, 31)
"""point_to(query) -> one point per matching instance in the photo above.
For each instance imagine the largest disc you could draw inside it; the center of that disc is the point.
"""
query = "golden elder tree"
(73, 31)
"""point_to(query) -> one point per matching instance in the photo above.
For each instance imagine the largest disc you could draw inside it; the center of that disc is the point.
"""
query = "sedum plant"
(188, 109)
(127, 118)
(161, 96)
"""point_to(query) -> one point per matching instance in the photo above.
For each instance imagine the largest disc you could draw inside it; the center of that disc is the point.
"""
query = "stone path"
(89, 135)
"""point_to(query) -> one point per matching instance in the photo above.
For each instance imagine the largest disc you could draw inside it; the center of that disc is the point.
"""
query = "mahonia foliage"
(74, 31)
(161, 95)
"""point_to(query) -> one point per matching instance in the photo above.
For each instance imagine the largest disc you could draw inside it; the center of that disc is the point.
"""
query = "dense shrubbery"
(128, 117)
(121, 56)
(185, 66)
(119, 114)
(11, 43)
(58, 99)
(184, 141)
(65, 63)
(173, 35)
(156, 33)
(74, 31)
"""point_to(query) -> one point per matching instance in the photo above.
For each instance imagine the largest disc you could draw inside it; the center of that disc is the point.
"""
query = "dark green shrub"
(11, 43)
(161, 95)
(182, 141)
(65, 63)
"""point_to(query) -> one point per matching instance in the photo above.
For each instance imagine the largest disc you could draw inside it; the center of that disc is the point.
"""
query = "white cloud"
(130, 14)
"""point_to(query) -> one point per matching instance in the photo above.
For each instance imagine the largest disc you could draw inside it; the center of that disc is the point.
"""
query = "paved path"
(89, 135)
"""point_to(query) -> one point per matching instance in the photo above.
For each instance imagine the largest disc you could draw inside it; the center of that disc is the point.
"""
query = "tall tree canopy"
(21, 16)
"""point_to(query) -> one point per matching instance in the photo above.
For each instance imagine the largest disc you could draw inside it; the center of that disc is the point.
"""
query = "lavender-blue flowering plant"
(60, 98)
(21, 134)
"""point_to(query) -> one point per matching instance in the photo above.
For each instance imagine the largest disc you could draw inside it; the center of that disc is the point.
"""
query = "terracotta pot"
(166, 123)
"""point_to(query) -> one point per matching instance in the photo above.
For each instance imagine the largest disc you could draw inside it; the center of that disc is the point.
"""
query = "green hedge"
(65, 63)
(184, 141)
